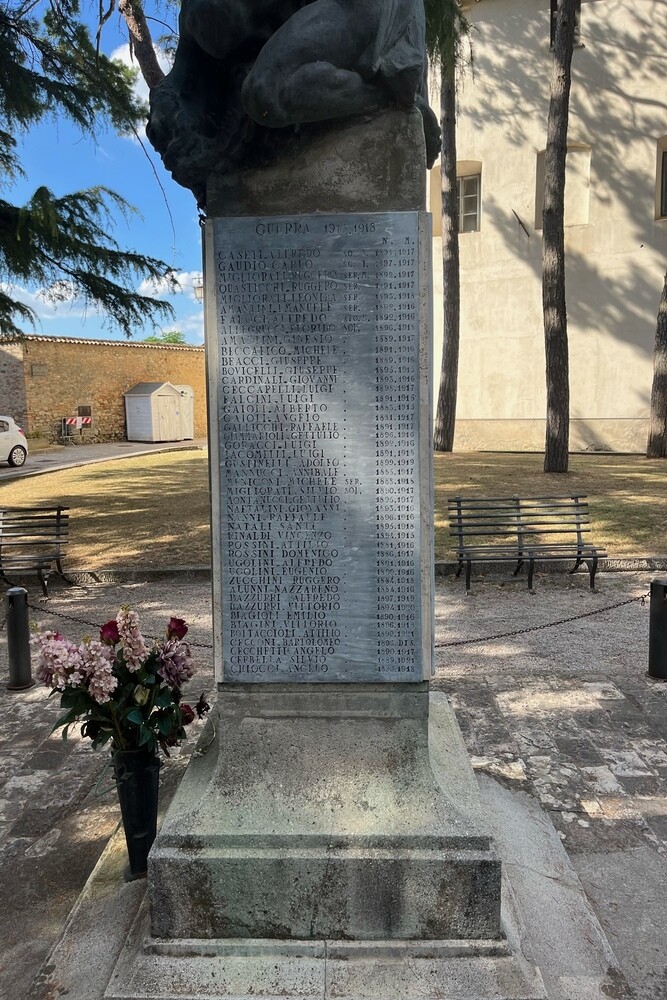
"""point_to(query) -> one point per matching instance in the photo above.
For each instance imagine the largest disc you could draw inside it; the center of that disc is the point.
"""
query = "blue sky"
(56, 154)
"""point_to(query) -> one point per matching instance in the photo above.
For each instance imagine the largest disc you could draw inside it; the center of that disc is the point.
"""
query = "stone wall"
(12, 383)
(59, 374)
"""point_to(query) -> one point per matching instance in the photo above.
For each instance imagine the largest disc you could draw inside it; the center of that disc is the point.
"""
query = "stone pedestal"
(360, 872)
(317, 813)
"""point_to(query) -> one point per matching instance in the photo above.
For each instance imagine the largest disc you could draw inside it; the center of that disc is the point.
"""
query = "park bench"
(32, 538)
(522, 530)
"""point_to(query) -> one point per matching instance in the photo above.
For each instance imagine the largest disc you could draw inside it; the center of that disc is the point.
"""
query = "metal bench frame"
(32, 538)
(512, 529)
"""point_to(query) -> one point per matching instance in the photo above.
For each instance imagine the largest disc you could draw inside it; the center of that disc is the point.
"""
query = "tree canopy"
(50, 66)
(166, 337)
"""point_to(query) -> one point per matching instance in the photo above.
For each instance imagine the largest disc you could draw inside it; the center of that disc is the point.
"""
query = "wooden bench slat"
(474, 501)
(534, 524)
(33, 538)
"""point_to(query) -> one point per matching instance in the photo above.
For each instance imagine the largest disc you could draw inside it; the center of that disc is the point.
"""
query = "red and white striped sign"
(78, 421)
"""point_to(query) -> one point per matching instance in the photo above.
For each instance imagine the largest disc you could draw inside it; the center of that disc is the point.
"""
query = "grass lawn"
(627, 494)
(154, 511)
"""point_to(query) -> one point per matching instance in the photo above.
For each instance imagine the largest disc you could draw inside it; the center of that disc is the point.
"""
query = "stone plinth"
(317, 813)
(361, 165)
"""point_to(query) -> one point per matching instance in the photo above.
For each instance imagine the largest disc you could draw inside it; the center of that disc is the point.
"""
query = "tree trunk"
(443, 437)
(657, 435)
(553, 247)
(141, 43)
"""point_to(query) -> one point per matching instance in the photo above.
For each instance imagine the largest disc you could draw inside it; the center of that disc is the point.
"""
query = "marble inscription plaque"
(315, 390)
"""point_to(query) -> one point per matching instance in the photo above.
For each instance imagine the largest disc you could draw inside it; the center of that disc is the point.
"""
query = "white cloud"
(192, 326)
(162, 287)
(49, 304)
(59, 291)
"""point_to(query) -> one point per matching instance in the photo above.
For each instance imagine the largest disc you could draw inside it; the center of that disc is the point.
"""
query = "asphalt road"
(70, 456)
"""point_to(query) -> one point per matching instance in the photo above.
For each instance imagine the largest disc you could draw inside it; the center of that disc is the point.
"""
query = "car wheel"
(17, 455)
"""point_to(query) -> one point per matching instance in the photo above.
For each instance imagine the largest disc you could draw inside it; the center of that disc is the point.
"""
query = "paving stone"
(579, 750)
(650, 788)
(600, 836)
(603, 690)
(626, 763)
(658, 825)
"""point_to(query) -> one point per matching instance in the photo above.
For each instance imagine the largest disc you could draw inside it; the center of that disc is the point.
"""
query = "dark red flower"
(187, 714)
(109, 633)
(177, 628)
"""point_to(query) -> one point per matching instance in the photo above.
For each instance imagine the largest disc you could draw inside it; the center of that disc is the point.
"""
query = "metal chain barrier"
(537, 628)
(438, 645)
(82, 621)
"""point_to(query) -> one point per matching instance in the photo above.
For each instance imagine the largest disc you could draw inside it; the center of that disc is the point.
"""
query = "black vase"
(137, 778)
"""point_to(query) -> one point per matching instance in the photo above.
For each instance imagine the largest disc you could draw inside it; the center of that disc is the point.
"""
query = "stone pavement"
(564, 719)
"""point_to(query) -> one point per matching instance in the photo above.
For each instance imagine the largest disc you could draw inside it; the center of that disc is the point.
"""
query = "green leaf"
(145, 735)
(135, 716)
(165, 724)
(65, 720)
(164, 699)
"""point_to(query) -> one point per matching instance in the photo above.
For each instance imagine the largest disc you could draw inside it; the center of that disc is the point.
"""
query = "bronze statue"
(246, 72)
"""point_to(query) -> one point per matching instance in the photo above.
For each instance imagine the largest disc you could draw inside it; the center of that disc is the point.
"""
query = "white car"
(13, 444)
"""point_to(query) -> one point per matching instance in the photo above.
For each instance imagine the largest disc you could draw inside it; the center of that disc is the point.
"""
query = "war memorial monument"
(328, 840)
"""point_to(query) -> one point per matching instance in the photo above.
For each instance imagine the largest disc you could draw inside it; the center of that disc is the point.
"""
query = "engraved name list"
(316, 373)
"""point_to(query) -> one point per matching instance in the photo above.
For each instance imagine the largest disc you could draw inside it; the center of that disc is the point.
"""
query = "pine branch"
(50, 66)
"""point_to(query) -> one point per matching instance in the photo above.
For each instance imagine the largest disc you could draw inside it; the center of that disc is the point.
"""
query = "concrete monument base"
(314, 970)
(327, 812)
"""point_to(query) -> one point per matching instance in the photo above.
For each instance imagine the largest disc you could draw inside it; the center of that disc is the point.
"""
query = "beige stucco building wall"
(43, 379)
(616, 247)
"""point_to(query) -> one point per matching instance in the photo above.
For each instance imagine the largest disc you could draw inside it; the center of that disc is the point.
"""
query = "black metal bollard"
(18, 640)
(657, 630)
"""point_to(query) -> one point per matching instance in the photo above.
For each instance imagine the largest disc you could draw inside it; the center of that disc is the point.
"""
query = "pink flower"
(176, 663)
(98, 661)
(135, 649)
(177, 628)
(109, 632)
(59, 661)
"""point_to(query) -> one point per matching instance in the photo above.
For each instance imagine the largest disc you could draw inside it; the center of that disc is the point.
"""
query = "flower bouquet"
(127, 694)
(123, 691)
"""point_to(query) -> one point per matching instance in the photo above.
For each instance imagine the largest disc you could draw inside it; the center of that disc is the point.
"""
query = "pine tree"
(50, 67)
(445, 26)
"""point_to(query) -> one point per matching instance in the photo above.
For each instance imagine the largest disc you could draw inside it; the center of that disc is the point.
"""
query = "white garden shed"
(153, 412)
